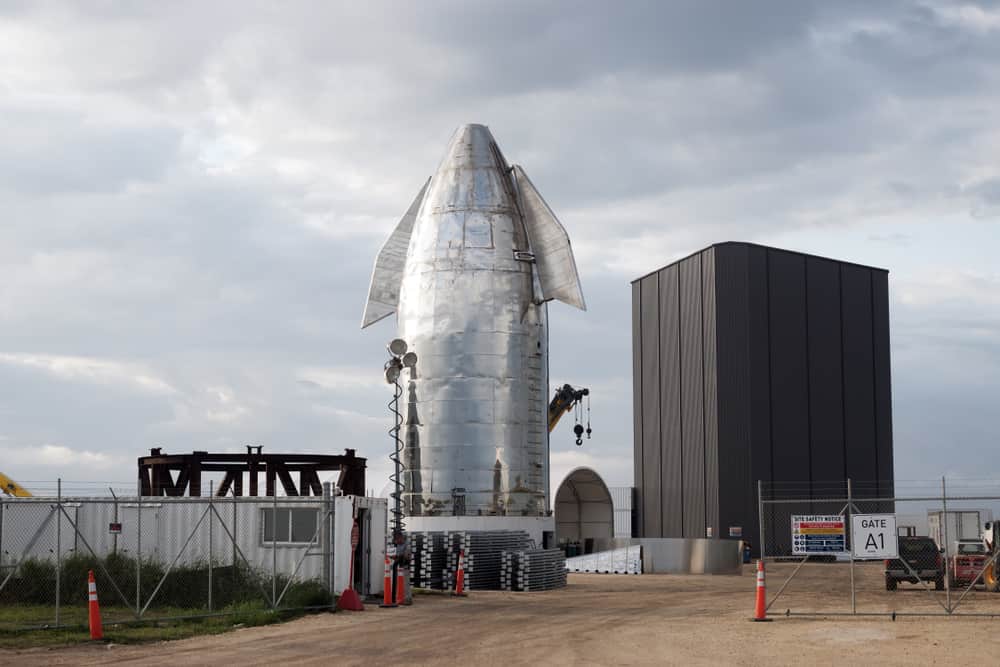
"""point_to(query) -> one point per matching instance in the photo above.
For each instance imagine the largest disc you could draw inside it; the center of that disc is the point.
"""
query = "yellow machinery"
(12, 488)
(566, 399)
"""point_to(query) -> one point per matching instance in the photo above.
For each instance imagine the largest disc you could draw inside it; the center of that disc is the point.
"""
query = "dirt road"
(597, 619)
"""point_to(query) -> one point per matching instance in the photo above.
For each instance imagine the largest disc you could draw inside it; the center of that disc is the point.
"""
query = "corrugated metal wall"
(859, 362)
(754, 363)
(734, 396)
(692, 376)
(650, 470)
(671, 472)
(621, 500)
(178, 528)
(883, 383)
(758, 334)
(710, 391)
(826, 389)
(677, 434)
(638, 458)
(789, 374)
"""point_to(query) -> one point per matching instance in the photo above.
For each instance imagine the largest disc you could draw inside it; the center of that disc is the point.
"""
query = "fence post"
(274, 548)
(114, 536)
(944, 520)
(326, 536)
(138, 555)
(760, 514)
(58, 545)
(211, 553)
(234, 528)
(850, 543)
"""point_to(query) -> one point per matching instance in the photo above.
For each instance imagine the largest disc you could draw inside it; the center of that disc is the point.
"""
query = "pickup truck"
(969, 560)
(924, 560)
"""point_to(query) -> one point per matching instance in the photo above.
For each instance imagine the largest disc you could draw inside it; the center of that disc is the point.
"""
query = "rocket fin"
(383, 294)
(554, 263)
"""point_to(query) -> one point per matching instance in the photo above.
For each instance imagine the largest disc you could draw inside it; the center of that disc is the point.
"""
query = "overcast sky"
(192, 195)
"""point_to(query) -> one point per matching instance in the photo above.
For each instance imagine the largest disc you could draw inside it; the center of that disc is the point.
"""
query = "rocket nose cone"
(472, 146)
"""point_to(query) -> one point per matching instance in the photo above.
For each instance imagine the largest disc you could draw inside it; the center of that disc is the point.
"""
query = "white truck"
(946, 528)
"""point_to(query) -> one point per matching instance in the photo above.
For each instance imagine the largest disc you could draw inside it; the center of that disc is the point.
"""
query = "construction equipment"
(991, 575)
(12, 488)
(566, 399)
(156, 472)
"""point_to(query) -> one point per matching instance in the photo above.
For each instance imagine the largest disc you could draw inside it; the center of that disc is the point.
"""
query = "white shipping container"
(960, 525)
(185, 531)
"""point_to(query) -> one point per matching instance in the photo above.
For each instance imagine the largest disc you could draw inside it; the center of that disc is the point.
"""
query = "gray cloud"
(194, 193)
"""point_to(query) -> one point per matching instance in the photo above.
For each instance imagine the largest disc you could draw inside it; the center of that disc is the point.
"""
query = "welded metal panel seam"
(680, 402)
(843, 372)
(704, 398)
(659, 407)
(638, 452)
(770, 387)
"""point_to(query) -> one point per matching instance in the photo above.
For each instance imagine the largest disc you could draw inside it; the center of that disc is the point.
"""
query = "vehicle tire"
(939, 584)
(890, 584)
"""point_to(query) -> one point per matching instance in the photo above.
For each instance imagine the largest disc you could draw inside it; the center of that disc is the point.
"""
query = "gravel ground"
(598, 619)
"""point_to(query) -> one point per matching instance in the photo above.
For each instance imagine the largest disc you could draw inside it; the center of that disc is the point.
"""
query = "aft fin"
(383, 295)
(554, 263)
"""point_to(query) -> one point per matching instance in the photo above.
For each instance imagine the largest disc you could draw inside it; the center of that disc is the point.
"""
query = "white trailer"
(947, 528)
(297, 537)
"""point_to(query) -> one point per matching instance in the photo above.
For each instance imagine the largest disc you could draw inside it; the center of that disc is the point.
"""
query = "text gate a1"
(874, 536)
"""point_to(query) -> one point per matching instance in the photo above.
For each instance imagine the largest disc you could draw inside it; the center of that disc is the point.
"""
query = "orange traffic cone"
(387, 600)
(400, 585)
(460, 576)
(96, 631)
(760, 612)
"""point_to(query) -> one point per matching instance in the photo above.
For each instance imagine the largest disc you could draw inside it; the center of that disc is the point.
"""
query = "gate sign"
(874, 536)
(818, 534)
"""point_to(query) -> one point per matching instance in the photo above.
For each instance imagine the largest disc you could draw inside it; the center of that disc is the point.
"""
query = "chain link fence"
(923, 548)
(162, 558)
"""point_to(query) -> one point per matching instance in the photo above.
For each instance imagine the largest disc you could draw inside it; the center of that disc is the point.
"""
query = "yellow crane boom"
(12, 488)
(565, 399)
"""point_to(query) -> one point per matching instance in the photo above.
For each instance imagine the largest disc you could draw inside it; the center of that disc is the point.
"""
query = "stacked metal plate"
(624, 560)
(483, 551)
(429, 559)
(533, 570)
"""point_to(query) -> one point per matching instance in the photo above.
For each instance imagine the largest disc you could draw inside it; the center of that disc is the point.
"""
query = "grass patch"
(27, 602)
(186, 586)
(131, 631)
(33, 585)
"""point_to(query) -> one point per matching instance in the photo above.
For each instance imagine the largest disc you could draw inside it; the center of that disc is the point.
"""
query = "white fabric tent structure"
(583, 508)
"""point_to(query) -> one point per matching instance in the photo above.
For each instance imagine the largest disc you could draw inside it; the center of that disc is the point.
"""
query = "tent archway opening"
(583, 510)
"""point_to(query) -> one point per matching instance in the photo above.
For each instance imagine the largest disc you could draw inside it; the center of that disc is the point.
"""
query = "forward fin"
(383, 294)
(554, 262)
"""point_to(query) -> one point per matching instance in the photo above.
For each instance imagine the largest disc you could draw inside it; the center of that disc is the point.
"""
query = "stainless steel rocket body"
(470, 293)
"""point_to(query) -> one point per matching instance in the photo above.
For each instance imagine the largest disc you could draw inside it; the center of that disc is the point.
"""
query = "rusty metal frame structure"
(156, 472)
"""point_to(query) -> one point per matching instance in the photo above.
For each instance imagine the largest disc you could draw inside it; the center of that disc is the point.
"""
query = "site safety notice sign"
(874, 536)
(818, 534)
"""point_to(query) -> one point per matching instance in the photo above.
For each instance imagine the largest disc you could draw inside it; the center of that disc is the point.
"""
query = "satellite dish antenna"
(410, 359)
(397, 347)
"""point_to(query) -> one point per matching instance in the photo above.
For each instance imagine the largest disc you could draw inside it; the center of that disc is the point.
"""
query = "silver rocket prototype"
(469, 270)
